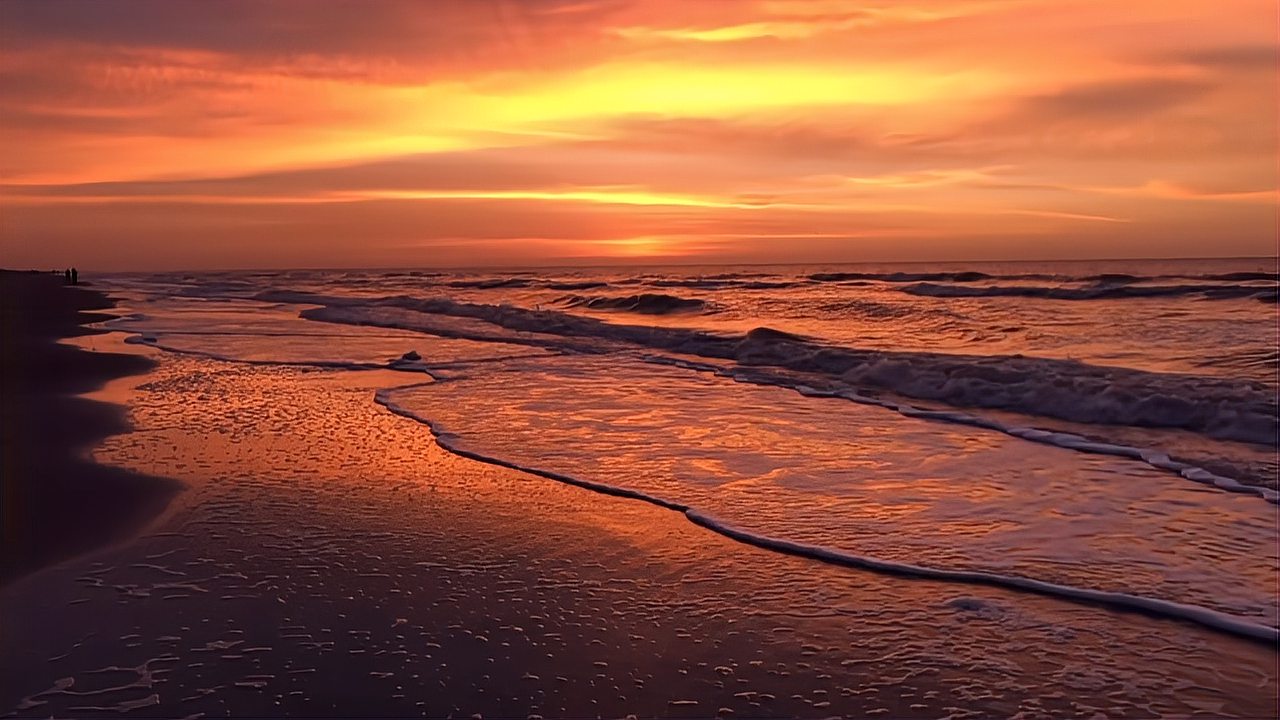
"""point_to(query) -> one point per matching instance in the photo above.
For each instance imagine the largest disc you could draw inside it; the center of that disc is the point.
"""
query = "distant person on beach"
(75, 277)
(67, 274)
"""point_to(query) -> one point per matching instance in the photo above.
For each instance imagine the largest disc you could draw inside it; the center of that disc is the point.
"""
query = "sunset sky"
(151, 134)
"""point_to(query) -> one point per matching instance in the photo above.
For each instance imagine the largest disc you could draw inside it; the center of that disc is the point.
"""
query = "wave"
(1111, 278)
(971, 276)
(699, 283)
(644, 303)
(770, 284)
(719, 281)
(1065, 440)
(727, 282)
(1240, 276)
(738, 275)
(1062, 389)
(1205, 617)
(584, 285)
(901, 277)
(869, 308)
(492, 283)
(1113, 289)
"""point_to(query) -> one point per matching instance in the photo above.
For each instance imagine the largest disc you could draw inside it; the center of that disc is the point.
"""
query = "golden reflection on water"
(374, 539)
(865, 480)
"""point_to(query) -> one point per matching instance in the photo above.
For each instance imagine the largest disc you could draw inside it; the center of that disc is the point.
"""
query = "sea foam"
(1206, 617)
(1061, 389)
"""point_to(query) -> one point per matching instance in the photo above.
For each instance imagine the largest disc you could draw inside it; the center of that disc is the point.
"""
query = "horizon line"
(592, 265)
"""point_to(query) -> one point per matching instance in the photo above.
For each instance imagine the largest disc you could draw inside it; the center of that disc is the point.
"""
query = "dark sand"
(331, 559)
(56, 503)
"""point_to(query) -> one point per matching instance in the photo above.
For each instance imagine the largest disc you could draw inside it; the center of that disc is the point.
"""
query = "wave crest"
(644, 303)
(1116, 287)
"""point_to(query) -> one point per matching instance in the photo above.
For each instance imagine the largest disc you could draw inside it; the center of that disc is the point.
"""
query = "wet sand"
(56, 503)
(330, 559)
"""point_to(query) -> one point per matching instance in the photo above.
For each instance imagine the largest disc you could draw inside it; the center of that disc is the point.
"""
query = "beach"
(329, 557)
(627, 359)
(56, 503)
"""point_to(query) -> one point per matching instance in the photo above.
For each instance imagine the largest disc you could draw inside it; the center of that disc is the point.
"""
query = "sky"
(186, 134)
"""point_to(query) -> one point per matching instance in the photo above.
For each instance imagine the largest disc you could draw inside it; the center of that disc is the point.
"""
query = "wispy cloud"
(661, 127)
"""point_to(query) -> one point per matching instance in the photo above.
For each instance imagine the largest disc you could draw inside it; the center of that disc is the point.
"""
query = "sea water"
(1099, 431)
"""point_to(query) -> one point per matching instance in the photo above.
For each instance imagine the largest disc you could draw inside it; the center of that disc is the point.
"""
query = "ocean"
(1101, 432)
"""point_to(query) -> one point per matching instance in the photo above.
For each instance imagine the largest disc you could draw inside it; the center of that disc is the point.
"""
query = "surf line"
(1205, 617)
(1067, 441)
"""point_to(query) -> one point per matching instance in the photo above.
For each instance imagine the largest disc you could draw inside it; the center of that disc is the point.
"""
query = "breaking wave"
(492, 283)
(971, 276)
(584, 285)
(1063, 389)
(644, 303)
(901, 277)
(1101, 291)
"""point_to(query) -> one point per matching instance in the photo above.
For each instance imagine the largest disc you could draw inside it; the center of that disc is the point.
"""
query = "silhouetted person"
(75, 277)
(67, 274)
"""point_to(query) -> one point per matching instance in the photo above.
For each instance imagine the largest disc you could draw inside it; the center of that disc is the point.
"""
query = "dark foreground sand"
(56, 503)
(330, 559)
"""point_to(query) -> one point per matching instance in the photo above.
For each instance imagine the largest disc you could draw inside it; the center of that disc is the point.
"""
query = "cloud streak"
(598, 127)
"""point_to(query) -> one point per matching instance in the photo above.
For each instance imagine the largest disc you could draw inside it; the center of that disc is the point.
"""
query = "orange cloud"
(657, 128)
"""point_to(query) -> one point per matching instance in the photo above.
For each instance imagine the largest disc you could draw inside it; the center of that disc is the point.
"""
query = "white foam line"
(1069, 441)
(1205, 617)
(1124, 601)
(382, 397)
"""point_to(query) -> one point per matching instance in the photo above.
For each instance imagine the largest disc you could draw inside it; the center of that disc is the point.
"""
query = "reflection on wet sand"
(864, 480)
(330, 555)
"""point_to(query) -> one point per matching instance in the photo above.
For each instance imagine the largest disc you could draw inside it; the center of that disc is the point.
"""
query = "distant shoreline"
(56, 502)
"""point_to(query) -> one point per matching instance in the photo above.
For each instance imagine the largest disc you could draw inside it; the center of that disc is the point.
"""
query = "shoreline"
(1246, 628)
(330, 555)
(57, 502)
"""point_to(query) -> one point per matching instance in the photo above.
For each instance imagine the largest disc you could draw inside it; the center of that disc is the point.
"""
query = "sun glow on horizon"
(831, 120)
